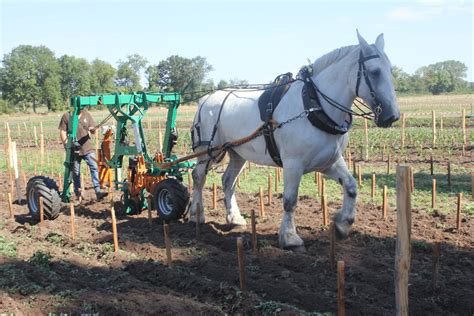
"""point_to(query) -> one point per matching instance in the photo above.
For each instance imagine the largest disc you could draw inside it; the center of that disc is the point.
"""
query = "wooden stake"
(403, 248)
(324, 208)
(261, 209)
(433, 194)
(431, 165)
(41, 210)
(372, 194)
(166, 232)
(384, 203)
(10, 206)
(463, 122)
(214, 196)
(449, 174)
(341, 308)
(277, 179)
(388, 163)
(403, 130)
(433, 123)
(73, 225)
(36, 136)
(254, 232)
(323, 188)
(458, 211)
(149, 204)
(436, 253)
(16, 171)
(332, 245)
(41, 150)
(359, 175)
(198, 221)
(114, 230)
(412, 179)
(366, 134)
(240, 258)
(269, 188)
(319, 184)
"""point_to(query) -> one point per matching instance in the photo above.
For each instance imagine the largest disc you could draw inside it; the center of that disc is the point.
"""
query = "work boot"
(100, 195)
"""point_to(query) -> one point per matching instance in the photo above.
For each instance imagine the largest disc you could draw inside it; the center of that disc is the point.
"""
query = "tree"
(181, 74)
(128, 72)
(445, 76)
(30, 76)
(401, 80)
(75, 76)
(222, 84)
(102, 77)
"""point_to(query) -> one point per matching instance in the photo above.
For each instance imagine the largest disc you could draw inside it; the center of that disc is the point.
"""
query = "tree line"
(32, 76)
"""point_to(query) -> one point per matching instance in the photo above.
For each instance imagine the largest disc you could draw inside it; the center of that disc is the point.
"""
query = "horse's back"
(234, 112)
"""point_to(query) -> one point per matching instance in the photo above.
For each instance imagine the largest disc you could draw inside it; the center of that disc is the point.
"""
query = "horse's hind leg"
(344, 219)
(199, 179)
(236, 163)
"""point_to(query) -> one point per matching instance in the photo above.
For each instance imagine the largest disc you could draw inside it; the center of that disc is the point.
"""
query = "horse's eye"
(375, 73)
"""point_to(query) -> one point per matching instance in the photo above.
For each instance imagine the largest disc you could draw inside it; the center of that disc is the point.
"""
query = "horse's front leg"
(199, 179)
(229, 179)
(288, 237)
(344, 219)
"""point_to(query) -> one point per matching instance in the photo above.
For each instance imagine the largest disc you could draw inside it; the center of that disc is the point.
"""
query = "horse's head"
(374, 82)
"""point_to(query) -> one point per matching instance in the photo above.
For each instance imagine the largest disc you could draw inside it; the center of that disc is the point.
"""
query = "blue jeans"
(76, 172)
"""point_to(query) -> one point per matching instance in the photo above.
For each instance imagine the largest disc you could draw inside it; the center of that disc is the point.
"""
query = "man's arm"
(63, 137)
(63, 126)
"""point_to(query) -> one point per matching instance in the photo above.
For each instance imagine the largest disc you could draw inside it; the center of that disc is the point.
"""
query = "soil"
(84, 275)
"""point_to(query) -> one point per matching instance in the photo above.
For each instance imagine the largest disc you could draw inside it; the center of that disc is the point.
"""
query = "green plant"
(41, 259)
(55, 239)
(269, 307)
(7, 247)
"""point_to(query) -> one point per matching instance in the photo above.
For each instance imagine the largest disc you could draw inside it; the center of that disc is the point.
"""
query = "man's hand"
(92, 130)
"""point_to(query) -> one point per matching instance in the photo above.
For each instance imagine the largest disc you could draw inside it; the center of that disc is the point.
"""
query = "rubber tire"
(178, 196)
(48, 189)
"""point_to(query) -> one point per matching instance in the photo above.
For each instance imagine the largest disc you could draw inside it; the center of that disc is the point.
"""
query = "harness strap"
(363, 72)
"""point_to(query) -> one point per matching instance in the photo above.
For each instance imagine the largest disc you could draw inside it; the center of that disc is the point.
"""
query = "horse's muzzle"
(387, 122)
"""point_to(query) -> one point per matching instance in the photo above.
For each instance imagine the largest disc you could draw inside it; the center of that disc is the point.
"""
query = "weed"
(55, 239)
(7, 248)
(41, 259)
(269, 307)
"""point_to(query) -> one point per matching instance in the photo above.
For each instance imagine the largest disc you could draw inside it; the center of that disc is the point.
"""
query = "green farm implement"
(145, 172)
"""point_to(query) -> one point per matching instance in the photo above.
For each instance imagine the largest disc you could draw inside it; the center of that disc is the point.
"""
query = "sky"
(249, 40)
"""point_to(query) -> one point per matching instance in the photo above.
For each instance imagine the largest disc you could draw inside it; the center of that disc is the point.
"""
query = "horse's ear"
(379, 42)
(362, 42)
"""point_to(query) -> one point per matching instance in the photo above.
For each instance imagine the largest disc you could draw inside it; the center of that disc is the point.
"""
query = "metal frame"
(125, 108)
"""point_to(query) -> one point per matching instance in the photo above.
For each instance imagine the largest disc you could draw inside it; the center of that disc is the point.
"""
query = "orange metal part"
(103, 154)
(141, 180)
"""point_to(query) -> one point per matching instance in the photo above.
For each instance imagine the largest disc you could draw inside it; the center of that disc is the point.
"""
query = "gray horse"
(338, 78)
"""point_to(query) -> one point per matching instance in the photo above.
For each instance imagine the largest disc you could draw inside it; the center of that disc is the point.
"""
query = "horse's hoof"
(237, 221)
(296, 249)
(342, 231)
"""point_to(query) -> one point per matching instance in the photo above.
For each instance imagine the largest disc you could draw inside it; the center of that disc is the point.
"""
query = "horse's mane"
(330, 58)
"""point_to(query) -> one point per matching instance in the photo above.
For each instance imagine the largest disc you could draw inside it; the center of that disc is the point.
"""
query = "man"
(86, 150)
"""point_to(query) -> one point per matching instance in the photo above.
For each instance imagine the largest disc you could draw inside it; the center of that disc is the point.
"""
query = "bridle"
(363, 72)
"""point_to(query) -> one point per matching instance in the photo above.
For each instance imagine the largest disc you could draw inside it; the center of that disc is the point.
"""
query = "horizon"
(253, 41)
